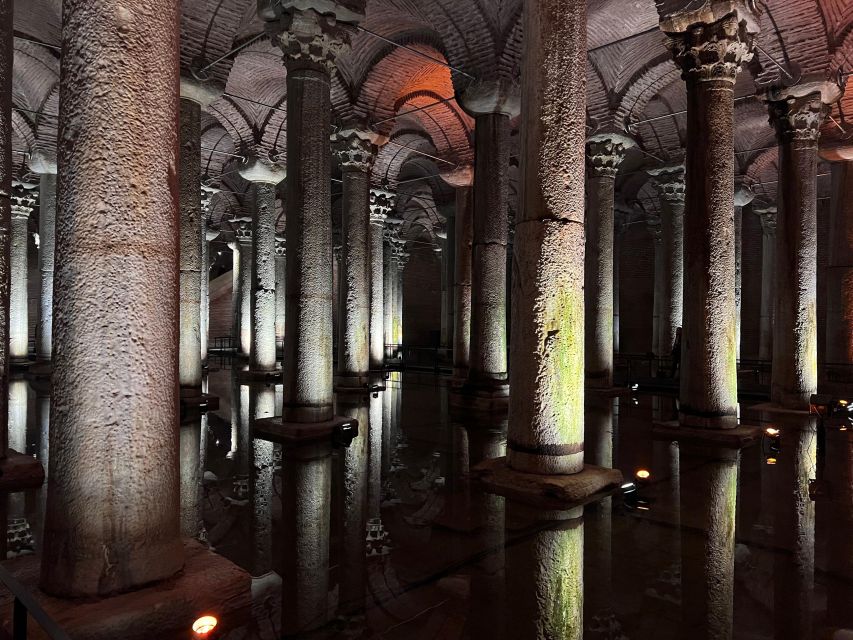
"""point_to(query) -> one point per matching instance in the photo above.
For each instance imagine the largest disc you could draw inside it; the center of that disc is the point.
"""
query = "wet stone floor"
(388, 537)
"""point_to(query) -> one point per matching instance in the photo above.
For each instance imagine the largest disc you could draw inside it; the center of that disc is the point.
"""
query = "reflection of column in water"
(18, 394)
(793, 530)
(708, 507)
(544, 574)
(241, 439)
(279, 399)
(376, 537)
(262, 405)
(307, 472)
(838, 507)
(387, 417)
(353, 568)
(488, 574)
(235, 414)
(43, 424)
(190, 450)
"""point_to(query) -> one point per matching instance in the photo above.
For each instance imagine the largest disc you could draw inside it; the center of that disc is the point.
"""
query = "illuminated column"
(743, 196)
(604, 154)
(658, 286)
(462, 282)
(709, 48)
(709, 478)
(243, 234)
(355, 151)
(235, 293)
(768, 280)
(381, 205)
(280, 294)
(113, 503)
(191, 474)
(23, 202)
(47, 251)
(208, 236)
(669, 183)
(402, 260)
(618, 236)
(839, 273)
(390, 269)
(261, 482)
(797, 115)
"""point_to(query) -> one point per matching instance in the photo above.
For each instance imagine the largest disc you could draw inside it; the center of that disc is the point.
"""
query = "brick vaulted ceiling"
(630, 77)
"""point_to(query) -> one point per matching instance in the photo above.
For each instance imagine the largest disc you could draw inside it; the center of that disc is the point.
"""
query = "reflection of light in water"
(204, 625)
(18, 415)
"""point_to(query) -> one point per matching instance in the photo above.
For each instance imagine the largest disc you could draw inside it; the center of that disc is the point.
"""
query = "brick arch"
(214, 136)
(391, 157)
(450, 129)
(762, 169)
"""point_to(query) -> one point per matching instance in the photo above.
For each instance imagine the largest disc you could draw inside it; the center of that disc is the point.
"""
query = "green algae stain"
(564, 353)
(562, 613)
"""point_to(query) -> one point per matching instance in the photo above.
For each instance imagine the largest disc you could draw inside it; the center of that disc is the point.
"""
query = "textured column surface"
(488, 356)
(243, 234)
(743, 196)
(235, 293)
(839, 303)
(6, 168)
(604, 154)
(710, 56)
(355, 152)
(618, 236)
(381, 204)
(389, 260)
(794, 372)
(462, 282)
(280, 287)
(768, 281)
(47, 248)
(310, 43)
(191, 475)
(207, 236)
(113, 498)
(189, 358)
(654, 227)
(261, 483)
(669, 182)
(263, 279)
(19, 328)
(402, 260)
(547, 375)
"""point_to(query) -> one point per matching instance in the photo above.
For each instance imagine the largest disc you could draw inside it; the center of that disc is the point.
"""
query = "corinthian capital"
(713, 51)
(24, 197)
(354, 149)
(605, 152)
(381, 205)
(798, 112)
(669, 182)
(767, 217)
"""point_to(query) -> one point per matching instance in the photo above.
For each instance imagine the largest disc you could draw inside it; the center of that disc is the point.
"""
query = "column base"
(193, 399)
(41, 368)
(608, 392)
(697, 421)
(19, 364)
(19, 471)
(740, 437)
(553, 492)
(294, 433)
(480, 396)
(268, 376)
(770, 412)
(352, 382)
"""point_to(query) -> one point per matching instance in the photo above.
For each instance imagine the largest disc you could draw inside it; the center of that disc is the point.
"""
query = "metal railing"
(26, 605)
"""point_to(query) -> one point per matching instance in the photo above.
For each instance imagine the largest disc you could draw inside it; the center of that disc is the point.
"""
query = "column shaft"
(839, 314)
(112, 521)
(263, 279)
(189, 359)
(6, 168)
(244, 302)
(380, 205)
(738, 275)
(19, 328)
(598, 278)
(280, 293)
(768, 282)
(390, 267)
(462, 282)
(47, 246)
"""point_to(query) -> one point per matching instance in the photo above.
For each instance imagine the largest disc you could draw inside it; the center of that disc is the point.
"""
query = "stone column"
(280, 290)
(381, 205)
(709, 51)
(390, 267)
(23, 203)
(743, 196)
(618, 234)
(839, 274)
(7, 56)
(462, 283)
(113, 502)
(402, 260)
(797, 115)
(669, 183)
(356, 152)
(235, 293)
(47, 248)
(654, 226)
(261, 483)
(208, 236)
(310, 37)
(243, 235)
(768, 280)
(604, 154)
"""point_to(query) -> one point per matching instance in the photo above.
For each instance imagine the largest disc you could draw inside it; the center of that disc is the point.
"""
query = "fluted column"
(743, 196)
(310, 37)
(355, 151)
(23, 202)
(47, 251)
(797, 115)
(113, 502)
(604, 154)
(381, 205)
(768, 281)
(280, 286)
(839, 274)
(710, 53)
(243, 235)
(208, 235)
(669, 183)
(462, 282)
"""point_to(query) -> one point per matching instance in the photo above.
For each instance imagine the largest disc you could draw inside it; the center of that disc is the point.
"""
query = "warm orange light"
(204, 625)
(771, 460)
(771, 431)
(843, 403)
(643, 474)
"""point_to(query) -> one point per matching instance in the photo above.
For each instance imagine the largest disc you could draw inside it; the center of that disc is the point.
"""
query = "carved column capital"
(24, 198)
(713, 51)
(669, 183)
(310, 39)
(355, 150)
(605, 152)
(654, 226)
(767, 217)
(798, 118)
(242, 230)
(381, 205)
(280, 247)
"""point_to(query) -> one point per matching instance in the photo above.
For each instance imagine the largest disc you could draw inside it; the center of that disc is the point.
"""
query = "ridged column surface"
(47, 253)
(381, 204)
(262, 356)
(189, 357)
(280, 290)
(112, 517)
(243, 233)
(19, 317)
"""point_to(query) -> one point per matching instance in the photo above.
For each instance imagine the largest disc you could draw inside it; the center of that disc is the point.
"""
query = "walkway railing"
(26, 606)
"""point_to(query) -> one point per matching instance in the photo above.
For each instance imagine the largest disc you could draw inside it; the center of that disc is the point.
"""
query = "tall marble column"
(768, 281)
(243, 235)
(113, 504)
(355, 151)
(389, 260)
(280, 290)
(797, 114)
(743, 196)
(189, 177)
(310, 38)
(709, 51)
(381, 205)
(604, 154)
(669, 183)
(462, 283)
(402, 260)
(23, 202)
(839, 274)
(47, 251)
(208, 235)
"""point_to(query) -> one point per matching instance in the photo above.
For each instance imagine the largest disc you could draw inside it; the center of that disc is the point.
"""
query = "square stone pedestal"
(552, 492)
(19, 471)
(480, 397)
(740, 437)
(208, 585)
